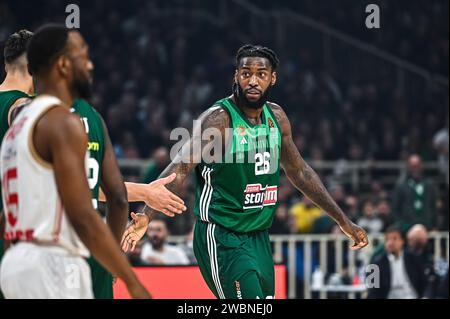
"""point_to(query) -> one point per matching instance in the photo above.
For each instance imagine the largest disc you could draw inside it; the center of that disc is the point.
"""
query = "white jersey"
(31, 202)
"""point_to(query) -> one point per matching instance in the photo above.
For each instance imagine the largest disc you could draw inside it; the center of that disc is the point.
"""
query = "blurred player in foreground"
(15, 89)
(50, 217)
(237, 191)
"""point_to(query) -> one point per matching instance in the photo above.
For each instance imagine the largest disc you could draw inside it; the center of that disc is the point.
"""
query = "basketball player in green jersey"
(236, 199)
(104, 177)
(15, 90)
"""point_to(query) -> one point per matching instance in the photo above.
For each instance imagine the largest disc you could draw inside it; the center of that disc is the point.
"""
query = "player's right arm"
(306, 180)
(60, 139)
(215, 119)
(154, 194)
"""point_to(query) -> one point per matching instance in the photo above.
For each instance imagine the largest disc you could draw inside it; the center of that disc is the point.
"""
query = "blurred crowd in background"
(160, 64)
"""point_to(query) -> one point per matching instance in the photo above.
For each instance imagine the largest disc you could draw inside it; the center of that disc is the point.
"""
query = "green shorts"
(102, 280)
(235, 265)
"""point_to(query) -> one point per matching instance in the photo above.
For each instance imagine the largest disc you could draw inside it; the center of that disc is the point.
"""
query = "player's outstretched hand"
(356, 233)
(134, 232)
(161, 199)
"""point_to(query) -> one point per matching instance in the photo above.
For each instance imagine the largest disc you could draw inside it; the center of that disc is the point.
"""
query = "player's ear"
(63, 64)
(274, 78)
(236, 77)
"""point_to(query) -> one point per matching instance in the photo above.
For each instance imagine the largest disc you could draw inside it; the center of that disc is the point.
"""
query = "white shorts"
(30, 271)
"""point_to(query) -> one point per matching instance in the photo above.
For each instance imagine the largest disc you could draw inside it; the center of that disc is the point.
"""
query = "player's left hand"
(134, 232)
(356, 233)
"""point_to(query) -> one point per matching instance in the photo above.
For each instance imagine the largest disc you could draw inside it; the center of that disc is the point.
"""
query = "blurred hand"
(158, 197)
(356, 233)
(135, 231)
(138, 291)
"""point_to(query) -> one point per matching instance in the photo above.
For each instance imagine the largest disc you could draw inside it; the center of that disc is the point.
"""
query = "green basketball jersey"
(7, 99)
(93, 124)
(241, 192)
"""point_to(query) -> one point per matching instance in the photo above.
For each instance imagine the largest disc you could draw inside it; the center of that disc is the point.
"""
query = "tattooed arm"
(305, 179)
(213, 121)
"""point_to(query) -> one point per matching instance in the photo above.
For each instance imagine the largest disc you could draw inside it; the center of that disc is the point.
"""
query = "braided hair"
(250, 50)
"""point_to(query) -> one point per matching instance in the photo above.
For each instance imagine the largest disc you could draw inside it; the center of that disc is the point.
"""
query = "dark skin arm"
(114, 189)
(184, 163)
(301, 175)
(306, 180)
(60, 139)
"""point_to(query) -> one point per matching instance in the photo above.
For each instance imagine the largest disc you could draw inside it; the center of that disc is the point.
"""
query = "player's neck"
(55, 88)
(17, 81)
(252, 114)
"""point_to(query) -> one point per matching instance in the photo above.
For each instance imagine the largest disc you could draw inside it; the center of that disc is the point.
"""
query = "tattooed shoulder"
(215, 117)
(281, 117)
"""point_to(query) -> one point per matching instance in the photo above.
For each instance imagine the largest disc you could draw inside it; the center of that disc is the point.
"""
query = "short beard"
(242, 99)
(157, 245)
(83, 88)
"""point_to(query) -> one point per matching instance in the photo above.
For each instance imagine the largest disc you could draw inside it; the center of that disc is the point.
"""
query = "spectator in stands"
(415, 198)
(198, 91)
(441, 144)
(384, 211)
(417, 238)
(338, 193)
(352, 207)
(377, 191)
(370, 221)
(156, 251)
(305, 213)
(401, 273)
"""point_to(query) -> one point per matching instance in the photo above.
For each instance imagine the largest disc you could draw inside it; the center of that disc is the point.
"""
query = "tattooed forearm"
(309, 183)
(186, 161)
(301, 175)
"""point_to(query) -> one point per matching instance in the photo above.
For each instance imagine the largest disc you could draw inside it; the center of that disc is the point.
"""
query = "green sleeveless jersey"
(93, 124)
(7, 99)
(241, 192)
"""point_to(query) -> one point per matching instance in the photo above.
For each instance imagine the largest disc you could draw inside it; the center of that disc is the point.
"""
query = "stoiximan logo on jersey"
(257, 196)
